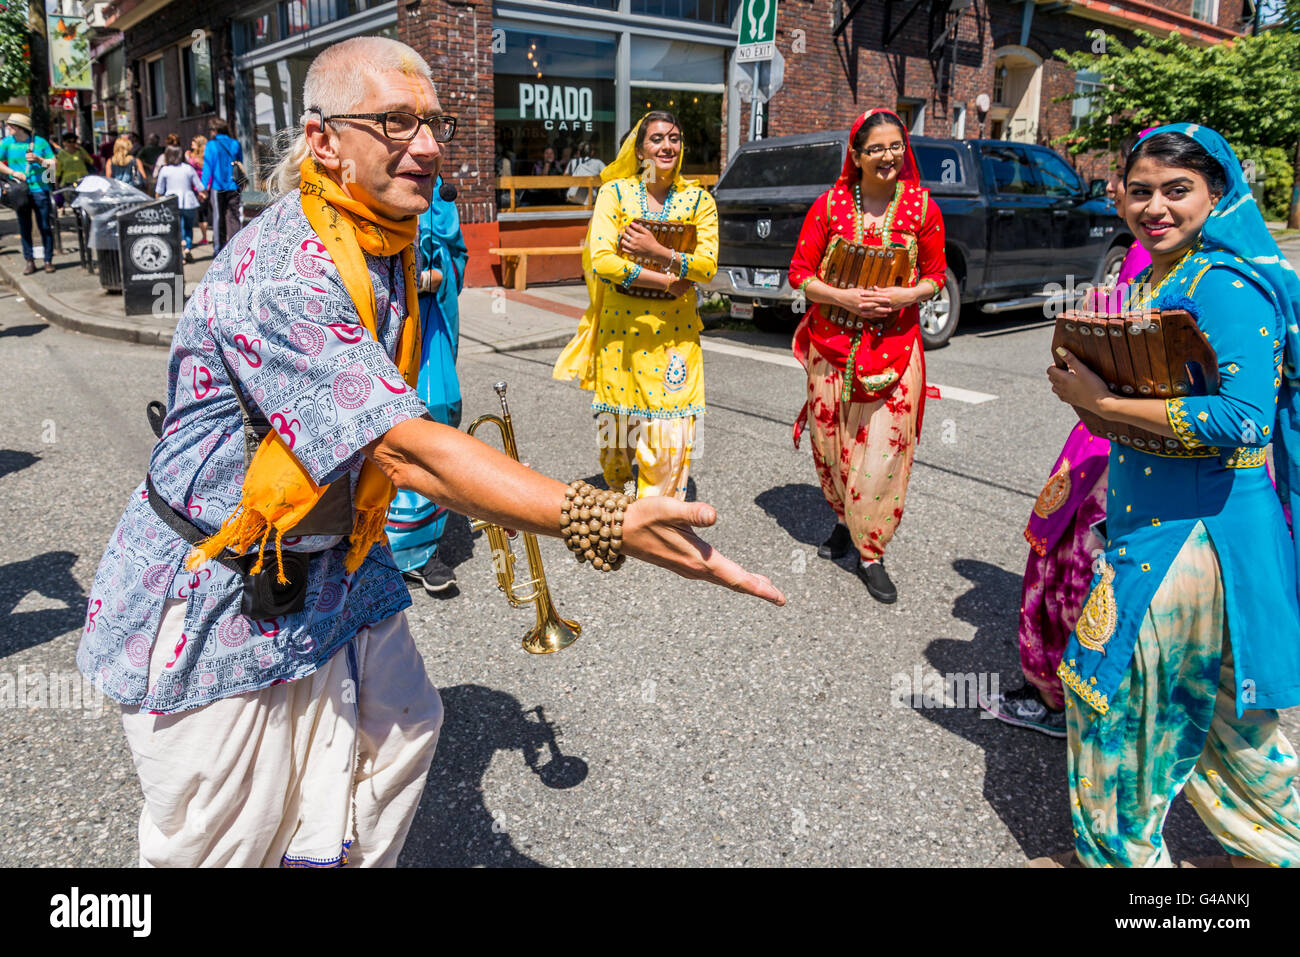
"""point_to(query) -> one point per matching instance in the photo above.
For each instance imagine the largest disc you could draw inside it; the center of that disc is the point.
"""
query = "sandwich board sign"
(757, 31)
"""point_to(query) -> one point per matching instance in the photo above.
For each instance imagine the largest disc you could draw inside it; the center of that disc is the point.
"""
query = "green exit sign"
(757, 31)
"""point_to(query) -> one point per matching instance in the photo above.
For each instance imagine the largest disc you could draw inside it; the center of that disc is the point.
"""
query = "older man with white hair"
(247, 612)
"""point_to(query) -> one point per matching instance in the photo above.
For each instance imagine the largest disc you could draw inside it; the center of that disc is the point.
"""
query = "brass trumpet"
(551, 633)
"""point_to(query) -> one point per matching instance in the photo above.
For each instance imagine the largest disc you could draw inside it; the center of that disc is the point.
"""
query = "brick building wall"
(163, 31)
(456, 40)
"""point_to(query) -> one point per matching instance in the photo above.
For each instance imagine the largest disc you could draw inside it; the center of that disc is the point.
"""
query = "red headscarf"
(850, 173)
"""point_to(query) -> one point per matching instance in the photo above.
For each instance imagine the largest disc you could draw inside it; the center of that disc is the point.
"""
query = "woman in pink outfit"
(1062, 542)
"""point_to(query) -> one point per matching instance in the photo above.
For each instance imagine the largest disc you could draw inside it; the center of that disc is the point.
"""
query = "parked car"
(1017, 218)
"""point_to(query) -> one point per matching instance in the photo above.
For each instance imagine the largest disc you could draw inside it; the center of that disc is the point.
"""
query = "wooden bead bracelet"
(591, 524)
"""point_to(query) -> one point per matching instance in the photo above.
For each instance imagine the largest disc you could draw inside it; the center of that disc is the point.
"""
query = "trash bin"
(98, 201)
(149, 250)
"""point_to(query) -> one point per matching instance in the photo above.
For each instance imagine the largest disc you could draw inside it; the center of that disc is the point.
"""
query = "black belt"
(182, 526)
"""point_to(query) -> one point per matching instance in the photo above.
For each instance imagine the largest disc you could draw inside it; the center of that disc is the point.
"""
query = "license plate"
(767, 278)
(742, 310)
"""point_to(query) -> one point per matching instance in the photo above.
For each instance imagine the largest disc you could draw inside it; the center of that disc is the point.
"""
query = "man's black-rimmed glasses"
(402, 126)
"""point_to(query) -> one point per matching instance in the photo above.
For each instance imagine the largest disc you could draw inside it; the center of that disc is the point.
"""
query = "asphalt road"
(692, 725)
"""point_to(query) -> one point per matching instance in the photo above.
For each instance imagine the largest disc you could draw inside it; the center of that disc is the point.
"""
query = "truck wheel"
(939, 315)
(1110, 266)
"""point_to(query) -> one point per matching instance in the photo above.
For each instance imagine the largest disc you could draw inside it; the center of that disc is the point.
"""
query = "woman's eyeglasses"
(402, 126)
(877, 151)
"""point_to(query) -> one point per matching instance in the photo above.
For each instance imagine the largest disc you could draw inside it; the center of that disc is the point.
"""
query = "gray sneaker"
(1024, 708)
(436, 576)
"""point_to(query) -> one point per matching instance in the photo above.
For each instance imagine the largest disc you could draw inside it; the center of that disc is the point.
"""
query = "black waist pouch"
(264, 597)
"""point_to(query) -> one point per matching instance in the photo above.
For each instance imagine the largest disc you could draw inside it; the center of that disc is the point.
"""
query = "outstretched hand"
(658, 530)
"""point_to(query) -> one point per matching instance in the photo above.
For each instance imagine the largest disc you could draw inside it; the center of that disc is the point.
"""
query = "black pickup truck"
(1016, 216)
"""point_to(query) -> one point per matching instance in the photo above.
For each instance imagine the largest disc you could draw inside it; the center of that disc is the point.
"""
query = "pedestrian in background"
(148, 155)
(195, 158)
(72, 164)
(177, 178)
(223, 168)
(161, 160)
(123, 166)
(415, 524)
(25, 158)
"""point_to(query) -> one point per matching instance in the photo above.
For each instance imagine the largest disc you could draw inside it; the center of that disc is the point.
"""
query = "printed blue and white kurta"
(274, 303)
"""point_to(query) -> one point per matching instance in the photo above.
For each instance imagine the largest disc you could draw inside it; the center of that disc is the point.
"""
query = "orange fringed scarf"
(277, 491)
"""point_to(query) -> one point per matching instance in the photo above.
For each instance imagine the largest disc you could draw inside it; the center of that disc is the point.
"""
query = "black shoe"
(435, 576)
(1024, 708)
(837, 546)
(878, 582)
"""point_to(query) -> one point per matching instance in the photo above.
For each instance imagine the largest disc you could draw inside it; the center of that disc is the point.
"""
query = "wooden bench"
(518, 256)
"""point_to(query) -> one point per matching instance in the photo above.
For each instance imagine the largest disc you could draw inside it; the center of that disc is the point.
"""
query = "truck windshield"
(939, 164)
(784, 166)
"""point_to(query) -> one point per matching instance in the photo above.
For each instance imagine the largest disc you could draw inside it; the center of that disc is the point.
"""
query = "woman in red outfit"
(865, 424)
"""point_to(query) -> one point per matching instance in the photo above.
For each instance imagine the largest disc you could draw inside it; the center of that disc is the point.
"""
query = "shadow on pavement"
(49, 575)
(1024, 771)
(453, 827)
(12, 460)
(30, 329)
(801, 510)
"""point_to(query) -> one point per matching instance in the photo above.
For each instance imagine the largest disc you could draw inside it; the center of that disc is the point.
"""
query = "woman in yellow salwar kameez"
(641, 357)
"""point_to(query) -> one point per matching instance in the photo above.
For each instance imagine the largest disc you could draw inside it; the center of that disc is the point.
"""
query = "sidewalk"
(492, 319)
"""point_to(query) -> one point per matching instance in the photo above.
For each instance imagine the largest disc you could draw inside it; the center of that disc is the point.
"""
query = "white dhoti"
(319, 772)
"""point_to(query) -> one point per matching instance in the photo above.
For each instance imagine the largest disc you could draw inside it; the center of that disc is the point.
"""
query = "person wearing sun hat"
(27, 158)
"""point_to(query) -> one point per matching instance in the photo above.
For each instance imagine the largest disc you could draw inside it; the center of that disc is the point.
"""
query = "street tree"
(15, 53)
(1248, 90)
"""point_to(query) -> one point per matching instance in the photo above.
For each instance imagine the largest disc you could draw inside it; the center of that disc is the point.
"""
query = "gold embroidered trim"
(1074, 681)
(1245, 458)
(1054, 493)
(1183, 431)
(1097, 623)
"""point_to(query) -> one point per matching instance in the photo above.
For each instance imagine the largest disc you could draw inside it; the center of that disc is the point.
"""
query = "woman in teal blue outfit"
(1190, 638)
(414, 523)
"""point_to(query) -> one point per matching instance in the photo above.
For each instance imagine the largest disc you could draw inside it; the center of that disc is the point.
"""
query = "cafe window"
(705, 11)
(554, 91)
(687, 80)
(261, 29)
(300, 15)
(277, 96)
(196, 75)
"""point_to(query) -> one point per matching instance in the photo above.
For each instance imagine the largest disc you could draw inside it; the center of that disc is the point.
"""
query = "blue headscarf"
(1237, 227)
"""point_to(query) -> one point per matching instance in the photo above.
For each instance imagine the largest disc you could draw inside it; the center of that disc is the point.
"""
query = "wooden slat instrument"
(1145, 354)
(848, 265)
(677, 237)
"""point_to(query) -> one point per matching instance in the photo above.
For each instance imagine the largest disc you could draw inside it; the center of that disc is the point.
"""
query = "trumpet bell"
(551, 635)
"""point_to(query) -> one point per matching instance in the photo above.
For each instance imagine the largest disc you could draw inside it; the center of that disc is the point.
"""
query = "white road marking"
(968, 396)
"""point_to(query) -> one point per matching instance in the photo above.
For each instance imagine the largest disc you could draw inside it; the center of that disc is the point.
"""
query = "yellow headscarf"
(578, 357)
(278, 492)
